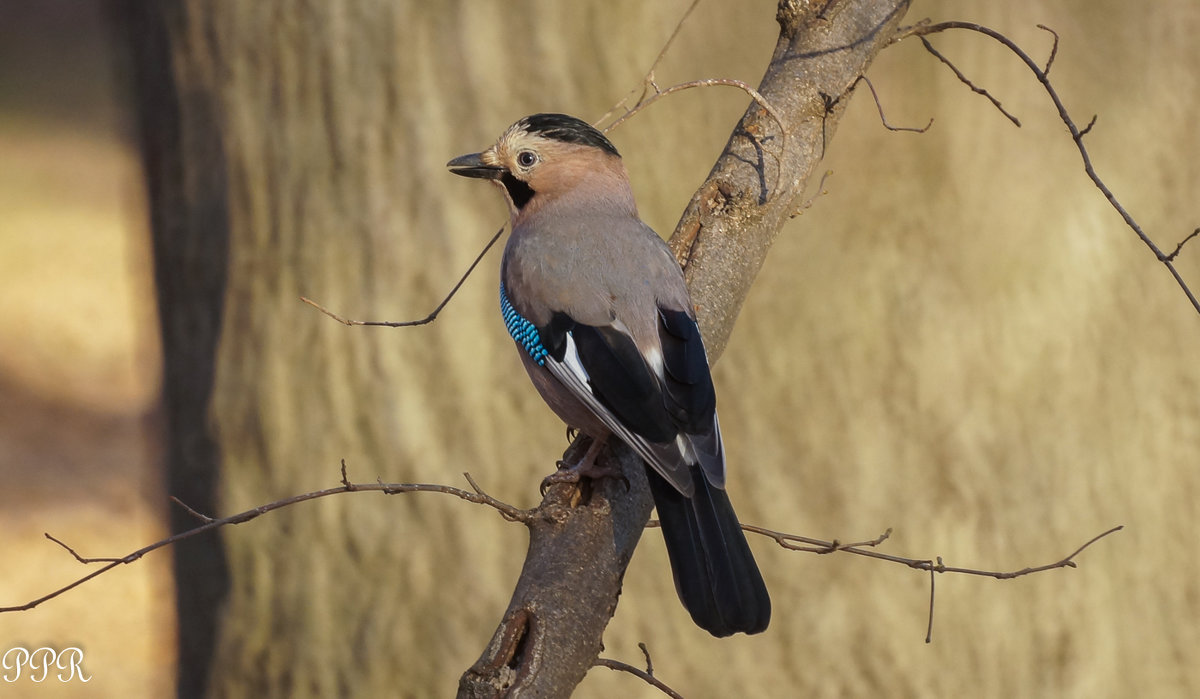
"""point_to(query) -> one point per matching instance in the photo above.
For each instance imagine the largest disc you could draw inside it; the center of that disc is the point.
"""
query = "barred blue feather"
(524, 332)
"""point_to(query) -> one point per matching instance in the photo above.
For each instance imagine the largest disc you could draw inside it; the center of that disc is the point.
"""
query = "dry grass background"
(959, 341)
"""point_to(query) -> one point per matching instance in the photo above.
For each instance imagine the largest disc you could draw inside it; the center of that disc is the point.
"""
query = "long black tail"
(715, 573)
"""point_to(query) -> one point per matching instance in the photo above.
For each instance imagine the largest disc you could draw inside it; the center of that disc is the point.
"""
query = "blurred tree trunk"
(187, 174)
(296, 150)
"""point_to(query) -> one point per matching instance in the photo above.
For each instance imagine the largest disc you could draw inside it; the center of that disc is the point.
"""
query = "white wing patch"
(654, 357)
(573, 363)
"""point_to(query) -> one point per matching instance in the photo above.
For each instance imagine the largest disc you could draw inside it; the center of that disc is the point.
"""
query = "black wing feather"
(689, 395)
(554, 334)
(623, 382)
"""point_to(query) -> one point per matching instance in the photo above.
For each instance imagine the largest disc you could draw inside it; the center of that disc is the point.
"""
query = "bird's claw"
(577, 472)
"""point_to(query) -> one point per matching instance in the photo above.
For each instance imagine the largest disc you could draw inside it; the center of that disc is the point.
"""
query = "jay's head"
(545, 157)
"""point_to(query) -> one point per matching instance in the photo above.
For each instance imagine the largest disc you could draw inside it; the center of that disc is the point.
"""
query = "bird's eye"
(526, 158)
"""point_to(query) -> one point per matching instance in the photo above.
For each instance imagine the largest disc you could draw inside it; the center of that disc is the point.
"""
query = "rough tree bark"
(551, 633)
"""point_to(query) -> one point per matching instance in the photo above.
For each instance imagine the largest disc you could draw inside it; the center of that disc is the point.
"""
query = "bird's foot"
(576, 473)
(587, 467)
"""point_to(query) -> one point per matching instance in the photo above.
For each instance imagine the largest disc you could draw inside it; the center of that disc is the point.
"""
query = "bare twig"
(79, 558)
(809, 202)
(646, 653)
(794, 542)
(1053, 49)
(868, 543)
(648, 80)
(1077, 134)
(651, 88)
(646, 675)
(967, 81)
(479, 497)
(659, 93)
(649, 92)
(427, 319)
(1090, 124)
(882, 117)
(1175, 252)
(202, 517)
(932, 585)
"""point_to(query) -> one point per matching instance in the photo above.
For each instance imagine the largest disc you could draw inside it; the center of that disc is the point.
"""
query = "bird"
(606, 329)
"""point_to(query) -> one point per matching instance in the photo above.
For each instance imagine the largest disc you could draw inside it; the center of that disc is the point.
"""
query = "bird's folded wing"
(662, 406)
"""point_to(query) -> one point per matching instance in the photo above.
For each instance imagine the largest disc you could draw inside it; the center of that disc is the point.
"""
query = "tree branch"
(1077, 134)
(553, 512)
(883, 117)
(935, 565)
(728, 227)
(646, 675)
(476, 495)
(566, 508)
(432, 315)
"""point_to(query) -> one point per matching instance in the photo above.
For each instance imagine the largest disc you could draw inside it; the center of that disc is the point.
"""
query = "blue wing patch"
(523, 331)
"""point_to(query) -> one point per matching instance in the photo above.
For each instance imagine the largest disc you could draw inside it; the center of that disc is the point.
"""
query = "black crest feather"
(568, 129)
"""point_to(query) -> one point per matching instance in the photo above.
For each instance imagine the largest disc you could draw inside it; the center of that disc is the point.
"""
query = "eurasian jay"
(606, 329)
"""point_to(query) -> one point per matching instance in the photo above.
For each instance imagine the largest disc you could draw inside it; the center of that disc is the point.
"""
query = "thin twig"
(79, 558)
(646, 654)
(809, 202)
(648, 79)
(796, 542)
(659, 93)
(934, 566)
(1053, 49)
(202, 517)
(882, 117)
(762, 102)
(650, 93)
(811, 545)
(920, 30)
(408, 323)
(932, 584)
(646, 675)
(967, 81)
(650, 85)
(1175, 252)
(1090, 124)
(509, 512)
(870, 542)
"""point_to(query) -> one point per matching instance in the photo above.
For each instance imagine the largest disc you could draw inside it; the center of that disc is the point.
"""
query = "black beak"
(472, 165)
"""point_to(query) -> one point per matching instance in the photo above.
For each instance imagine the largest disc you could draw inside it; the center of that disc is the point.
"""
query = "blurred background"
(79, 357)
(959, 340)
